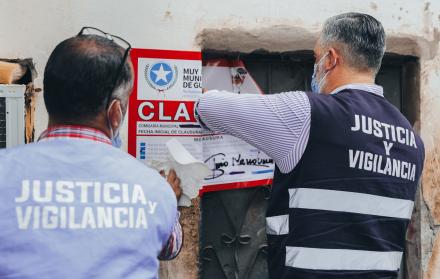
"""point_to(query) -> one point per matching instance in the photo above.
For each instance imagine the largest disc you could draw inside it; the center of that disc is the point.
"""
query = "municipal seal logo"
(161, 75)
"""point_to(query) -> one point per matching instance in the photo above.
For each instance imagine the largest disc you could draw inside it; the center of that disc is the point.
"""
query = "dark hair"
(80, 74)
(361, 36)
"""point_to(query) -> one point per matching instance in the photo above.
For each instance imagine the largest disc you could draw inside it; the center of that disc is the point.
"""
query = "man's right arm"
(277, 124)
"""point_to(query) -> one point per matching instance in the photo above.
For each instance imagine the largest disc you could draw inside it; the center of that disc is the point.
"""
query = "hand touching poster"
(234, 163)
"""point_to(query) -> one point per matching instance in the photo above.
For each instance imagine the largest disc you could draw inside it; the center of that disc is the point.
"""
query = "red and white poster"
(167, 85)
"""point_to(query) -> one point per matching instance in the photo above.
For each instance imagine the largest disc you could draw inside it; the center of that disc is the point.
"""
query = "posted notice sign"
(166, 88)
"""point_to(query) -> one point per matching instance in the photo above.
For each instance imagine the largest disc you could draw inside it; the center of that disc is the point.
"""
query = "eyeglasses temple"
(109, 97)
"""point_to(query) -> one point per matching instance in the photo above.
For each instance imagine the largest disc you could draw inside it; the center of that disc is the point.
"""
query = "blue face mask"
(116, 136)
(117, 141)
(315, 84)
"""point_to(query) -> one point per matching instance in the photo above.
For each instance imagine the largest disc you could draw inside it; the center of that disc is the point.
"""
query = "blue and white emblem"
(161, 75)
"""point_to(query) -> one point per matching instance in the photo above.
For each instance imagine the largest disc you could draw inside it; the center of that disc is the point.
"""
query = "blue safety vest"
(342, 213)
(76, 208)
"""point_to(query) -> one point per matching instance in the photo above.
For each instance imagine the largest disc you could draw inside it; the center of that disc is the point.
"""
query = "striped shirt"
(259, 119)
(72, 131)
(175, 242)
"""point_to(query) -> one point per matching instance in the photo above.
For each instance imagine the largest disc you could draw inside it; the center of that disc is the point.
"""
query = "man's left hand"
(174, 182)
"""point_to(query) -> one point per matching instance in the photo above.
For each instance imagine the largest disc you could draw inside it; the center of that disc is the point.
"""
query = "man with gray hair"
(347, 161)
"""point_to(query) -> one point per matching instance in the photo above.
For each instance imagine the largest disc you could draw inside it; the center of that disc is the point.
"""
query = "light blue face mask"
(315, 84)
(116, 136)
(117, 141)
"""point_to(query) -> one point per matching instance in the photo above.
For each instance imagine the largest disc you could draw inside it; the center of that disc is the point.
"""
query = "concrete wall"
(32, 29)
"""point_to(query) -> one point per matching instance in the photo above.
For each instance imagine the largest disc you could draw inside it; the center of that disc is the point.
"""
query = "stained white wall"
(33, 28)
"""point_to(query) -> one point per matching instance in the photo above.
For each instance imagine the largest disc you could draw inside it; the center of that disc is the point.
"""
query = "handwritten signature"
(219, 161)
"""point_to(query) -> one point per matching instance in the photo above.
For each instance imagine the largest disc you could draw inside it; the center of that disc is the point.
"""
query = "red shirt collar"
(74, 131)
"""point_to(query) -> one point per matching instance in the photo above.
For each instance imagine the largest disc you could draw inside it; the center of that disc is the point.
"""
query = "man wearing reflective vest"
(347, 161)
(72, 205)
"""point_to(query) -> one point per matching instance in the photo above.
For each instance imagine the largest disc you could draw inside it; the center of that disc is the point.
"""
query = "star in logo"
(161, 74)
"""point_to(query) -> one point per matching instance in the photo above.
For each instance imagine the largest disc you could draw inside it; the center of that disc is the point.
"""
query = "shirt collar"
(74, 132)
(372, 88)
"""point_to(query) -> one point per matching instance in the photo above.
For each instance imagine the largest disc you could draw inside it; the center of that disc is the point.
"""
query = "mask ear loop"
(325, 74)
(332, 67)
(112, 134)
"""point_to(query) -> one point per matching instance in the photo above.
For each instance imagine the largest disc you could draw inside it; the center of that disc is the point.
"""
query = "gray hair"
(359, 37)
(120, 92)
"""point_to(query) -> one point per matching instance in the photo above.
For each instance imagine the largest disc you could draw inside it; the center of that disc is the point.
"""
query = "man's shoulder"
(82, 159)
(60, 152)
(13, 152)
(135, 166)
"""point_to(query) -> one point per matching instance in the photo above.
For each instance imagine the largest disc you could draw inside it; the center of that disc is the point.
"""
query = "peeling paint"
(168, 15)
(431, 183)
(433, 268)
(427, 5)
(278, 38)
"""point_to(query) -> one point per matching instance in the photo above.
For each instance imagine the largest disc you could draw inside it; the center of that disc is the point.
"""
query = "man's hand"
(174, 182)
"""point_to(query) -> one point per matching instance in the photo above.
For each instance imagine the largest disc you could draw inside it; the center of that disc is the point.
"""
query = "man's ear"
(333, 59)
(115, 114)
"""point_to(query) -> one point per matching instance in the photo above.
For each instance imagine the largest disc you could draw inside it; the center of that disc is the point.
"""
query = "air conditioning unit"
(12, 115)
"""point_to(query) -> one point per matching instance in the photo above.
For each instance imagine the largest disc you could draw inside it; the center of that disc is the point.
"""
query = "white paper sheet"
(190, 170)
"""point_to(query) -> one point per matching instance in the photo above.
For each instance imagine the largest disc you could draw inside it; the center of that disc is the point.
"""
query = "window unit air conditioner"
(12, 115)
